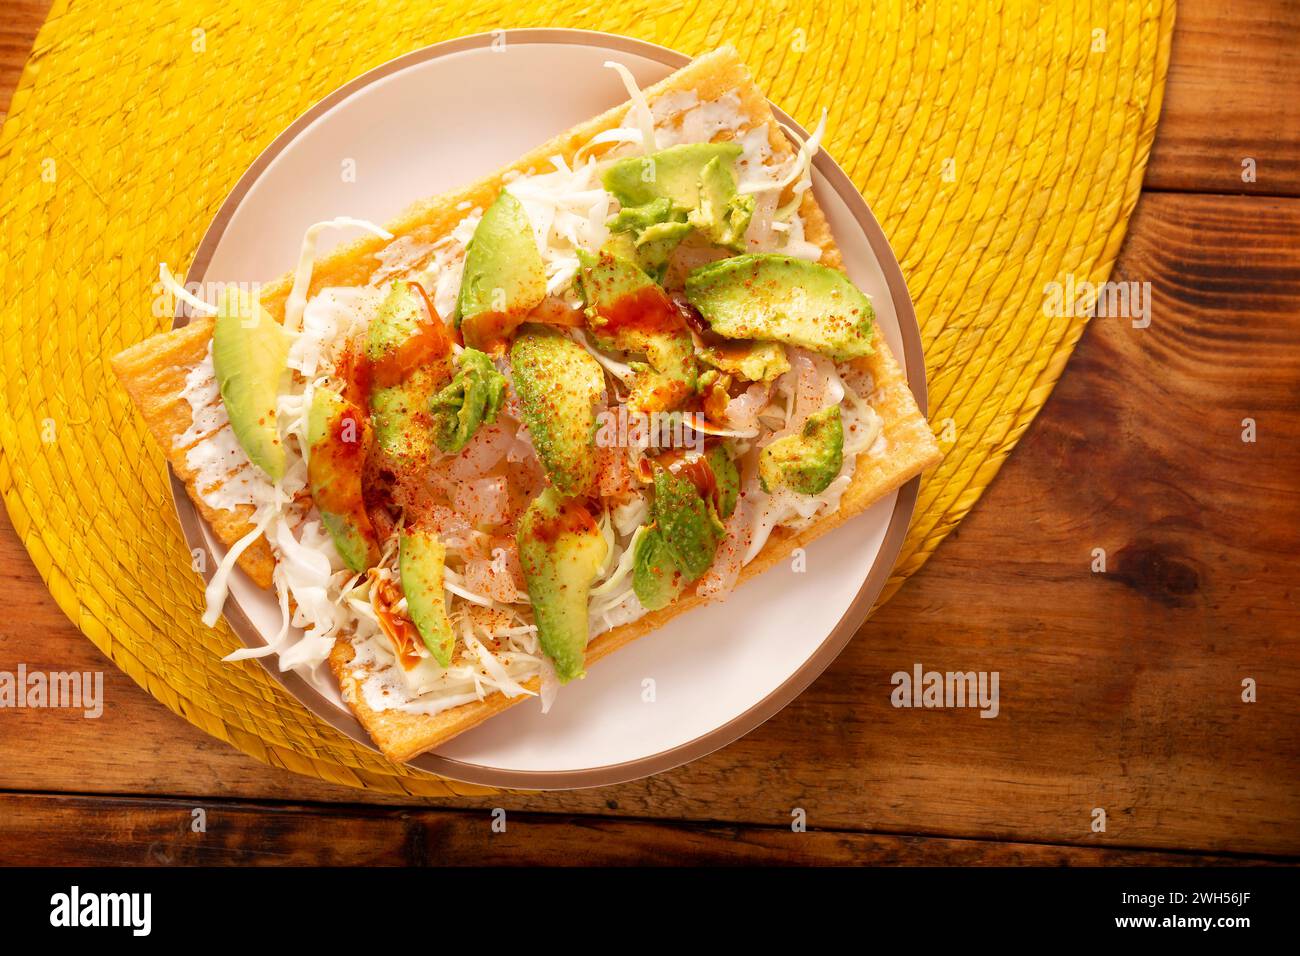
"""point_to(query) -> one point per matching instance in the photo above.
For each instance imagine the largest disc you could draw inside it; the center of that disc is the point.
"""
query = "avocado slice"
(656, 578)
(561, 552)
(421, 558)
(809, 461)
(779, 298)
(628, 312)
(753, 361)
(559, 384)
(722, 214)
(689, 525)
(666, 195)
(637, 219)
(407, 348)
(473, 398)
(673, 174)
(679, 544)
(504, 277)
(647, 235)
(726, 478)
(337, 438)
(250, 352)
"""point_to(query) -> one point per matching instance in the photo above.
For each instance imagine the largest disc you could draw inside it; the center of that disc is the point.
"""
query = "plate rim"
(836, 640)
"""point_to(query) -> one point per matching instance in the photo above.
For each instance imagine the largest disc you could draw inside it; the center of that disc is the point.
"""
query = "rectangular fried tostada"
(539, 416)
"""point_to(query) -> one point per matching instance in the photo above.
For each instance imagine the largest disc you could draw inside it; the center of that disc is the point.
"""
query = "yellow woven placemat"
(1001, 144)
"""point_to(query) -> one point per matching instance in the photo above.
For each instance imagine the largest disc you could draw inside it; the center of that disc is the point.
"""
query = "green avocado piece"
(421, 558)
(668, 376)
(655, 245)
(679, 545)
(665, 235)
(623, 245)
(656, 579)
(690, 527)
(754, 361)
(561, 552)
(727, 478)
(504, 277)
(399, 410)
(809, 461)
(627, 311)
(401, 315)
(722, 215)
(650, 257)
(779, 298)
(473, 398)
(666, 195)
(337, 440)
(673, 174)
(250, 352)
(559, 384)
(636, 219)
(647, 235)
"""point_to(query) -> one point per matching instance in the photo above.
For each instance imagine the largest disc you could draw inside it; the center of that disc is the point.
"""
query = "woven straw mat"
(1001, 144)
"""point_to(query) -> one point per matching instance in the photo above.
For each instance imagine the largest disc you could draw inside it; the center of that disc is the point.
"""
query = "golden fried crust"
(154, 372)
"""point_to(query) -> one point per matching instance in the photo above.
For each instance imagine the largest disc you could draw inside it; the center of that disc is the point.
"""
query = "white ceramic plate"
(436, 119)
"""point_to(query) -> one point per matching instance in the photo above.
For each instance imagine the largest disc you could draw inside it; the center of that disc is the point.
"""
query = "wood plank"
(19, 23)
(79, 831)
(1233, 93)
(1119, 690)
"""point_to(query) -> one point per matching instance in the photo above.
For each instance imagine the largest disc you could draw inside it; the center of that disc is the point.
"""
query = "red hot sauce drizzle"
(430, 342)
(335, 466)
(573, 519)
(694, 467)
(647, 310)
(397, 627)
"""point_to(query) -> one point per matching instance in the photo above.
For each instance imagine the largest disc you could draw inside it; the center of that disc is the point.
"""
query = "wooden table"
(1120, 690)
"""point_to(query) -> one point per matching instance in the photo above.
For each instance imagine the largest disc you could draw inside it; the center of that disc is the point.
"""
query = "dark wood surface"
(1120, 690)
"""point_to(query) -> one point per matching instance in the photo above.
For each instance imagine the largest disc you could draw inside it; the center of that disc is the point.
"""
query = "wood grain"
(1233, 94)
(1119, 690)
(76, 831)
(20, 20)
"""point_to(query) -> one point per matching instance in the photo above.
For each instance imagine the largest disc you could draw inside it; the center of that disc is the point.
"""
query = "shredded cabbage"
(550, 683)
(173, 286)
(802, 161)
(567, 209)
(455, 584)
(628, 515)
(620, 371)
(297, 300)
(622, 569)
(217, 589)
(504, 682)
(640, 109)
(619, 134)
